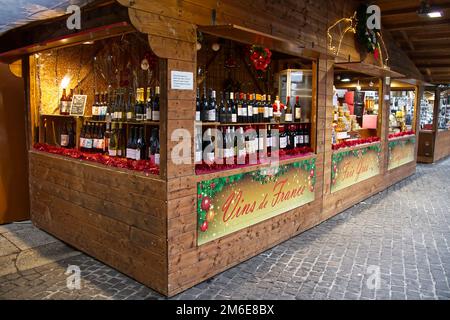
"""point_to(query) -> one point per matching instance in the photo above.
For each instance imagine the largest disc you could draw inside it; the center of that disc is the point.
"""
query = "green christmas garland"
(395, 143)
(339, 156)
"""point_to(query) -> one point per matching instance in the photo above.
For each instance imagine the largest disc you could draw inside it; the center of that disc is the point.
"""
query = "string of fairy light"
(352, 23)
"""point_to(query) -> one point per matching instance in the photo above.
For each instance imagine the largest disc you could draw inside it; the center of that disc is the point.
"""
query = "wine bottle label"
(269, 142)
(198, 156)
(64, 140)
(88, 143)
(283, 142)
(255, 110)
(139, 117)
(112, 152)
(274, 142)
(212, 115)
(266, 112)
(260, 143)
(298, 113)
(137, 154)
(119, 115)
(239, 111)
(244, 112)
(130, 153)
(288, 117)
(148, 114)
(250, 111)
(297, 140)
(101, 144)
(157, 158)
(306, 139)
(119, 152)
(301, 139)
(130, 115)
(233, 118)
(270, 112)
(94, 143)
(209, 157)
(81, 142)
(197, 116)
(155, 115)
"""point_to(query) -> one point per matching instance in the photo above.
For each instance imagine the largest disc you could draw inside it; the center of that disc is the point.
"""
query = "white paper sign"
(182, 80)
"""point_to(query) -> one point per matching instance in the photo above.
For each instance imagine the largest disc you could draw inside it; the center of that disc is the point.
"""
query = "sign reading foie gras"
(229, 204)
(353, 166)
(401, 152)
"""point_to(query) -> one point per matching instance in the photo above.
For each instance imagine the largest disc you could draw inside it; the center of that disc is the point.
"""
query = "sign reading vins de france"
(401, 152)
(352, 166)
(232, 203)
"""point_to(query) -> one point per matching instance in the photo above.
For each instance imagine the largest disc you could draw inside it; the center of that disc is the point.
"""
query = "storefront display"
(172, 147)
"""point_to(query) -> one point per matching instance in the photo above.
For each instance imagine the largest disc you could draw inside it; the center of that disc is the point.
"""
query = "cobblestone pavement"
(402, 232)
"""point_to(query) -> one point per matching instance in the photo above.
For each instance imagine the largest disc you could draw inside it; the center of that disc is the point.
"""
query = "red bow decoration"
(260, 57)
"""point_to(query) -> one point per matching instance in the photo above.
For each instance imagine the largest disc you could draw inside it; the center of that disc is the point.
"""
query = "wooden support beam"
(418, 25)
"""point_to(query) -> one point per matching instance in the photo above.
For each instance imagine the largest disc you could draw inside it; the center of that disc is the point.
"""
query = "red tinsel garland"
(402, 134)
(145, 166)
(283, 155)
(353, 143)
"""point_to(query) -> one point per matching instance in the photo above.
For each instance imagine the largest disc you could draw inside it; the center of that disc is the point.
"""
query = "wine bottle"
(156, 105)
(240, 112)
(232, 109)
(94, 133)
(137, 144)
(298, 109)
(266, 109)
(131, 109)
(255, 109)
(290, 137)
(88, 139)
(240, 145)
(222, 111)
(212, 107)
(288, 112)
(301, 137)
(269, 139)
(244, 118)
(209, 147)
(148, 106)
(121, 142)
(261, 109)
(283, 137)
(130, 153)
(63, 104)
(64, 136)
(153, 144)
(112, 145)
(249, 108)
(198, 148)
(270, 107)
(198, 106)
(72, 143)
(306, 135)
(157, 154)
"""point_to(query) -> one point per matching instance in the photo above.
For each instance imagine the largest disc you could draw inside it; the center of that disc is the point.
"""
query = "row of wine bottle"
(243, 141)
(111, 139)
(243, 108)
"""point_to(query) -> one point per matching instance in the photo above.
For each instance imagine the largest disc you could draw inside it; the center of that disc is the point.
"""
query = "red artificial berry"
(204, 226)
(206, 203)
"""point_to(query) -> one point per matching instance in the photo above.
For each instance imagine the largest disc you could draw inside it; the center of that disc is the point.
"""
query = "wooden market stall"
(434, 138)
(126, 168)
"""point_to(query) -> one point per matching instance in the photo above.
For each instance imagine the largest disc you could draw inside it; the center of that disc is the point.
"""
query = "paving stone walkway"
(395, 245)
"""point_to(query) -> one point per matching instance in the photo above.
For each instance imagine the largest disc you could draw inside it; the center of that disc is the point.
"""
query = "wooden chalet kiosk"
(161, 218)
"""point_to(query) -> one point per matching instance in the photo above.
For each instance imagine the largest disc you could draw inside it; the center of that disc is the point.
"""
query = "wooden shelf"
(64, 116)
(218, 124)
(150, 123)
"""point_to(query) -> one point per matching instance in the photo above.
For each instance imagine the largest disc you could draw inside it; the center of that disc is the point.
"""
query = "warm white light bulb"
(358, 86)
(435, 14)
(65, 82)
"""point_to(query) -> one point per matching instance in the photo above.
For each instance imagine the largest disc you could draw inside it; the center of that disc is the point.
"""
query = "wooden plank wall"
(442, 145)
(116, 216)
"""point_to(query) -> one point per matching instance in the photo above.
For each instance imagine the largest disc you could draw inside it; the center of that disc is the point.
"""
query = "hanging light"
(65, 82)
(215, 47)
(358, 86)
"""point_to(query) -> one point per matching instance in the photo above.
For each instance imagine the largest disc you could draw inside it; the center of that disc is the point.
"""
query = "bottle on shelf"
(291, 134)
(269, 139)
(240, 111)
(156, 105)
(249, 108)
(212, 107)
(113, 141)
(198, 148)
(261, 109)
(131, 147)
(121, 143)
(283, 137)
(222, 111)
(95, 106)
(269, 106)
(240, 145)
(64, 139)
(255, 109)
(288, 110)
(198, 108)
(306, 136)
(71, 133)
(140, 106)
(148, 106)
(64, 104)
(209, 147)
(266, 109)
(153, 145)
(243, 102)
(233, 115)
(301, 137)
(88, 143)
(204, 105)
(297, 110)
(130, 109)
